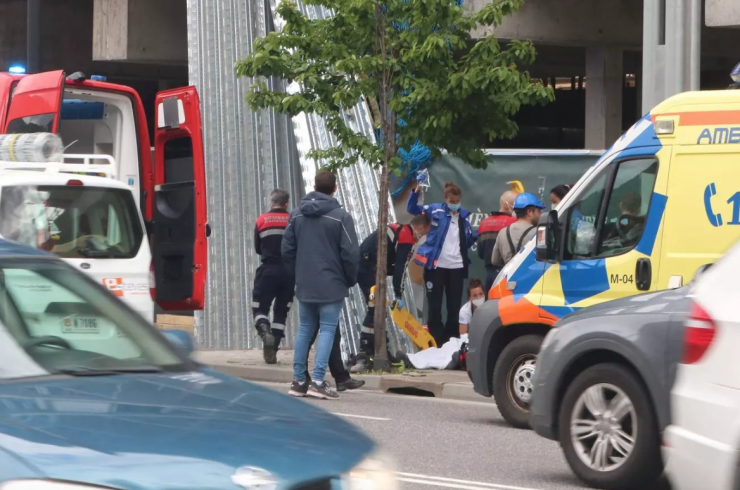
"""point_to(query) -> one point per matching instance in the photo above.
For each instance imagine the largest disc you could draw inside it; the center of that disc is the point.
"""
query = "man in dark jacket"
(320, 249)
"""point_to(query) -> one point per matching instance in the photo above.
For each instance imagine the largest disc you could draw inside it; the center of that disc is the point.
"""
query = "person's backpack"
(515, 250)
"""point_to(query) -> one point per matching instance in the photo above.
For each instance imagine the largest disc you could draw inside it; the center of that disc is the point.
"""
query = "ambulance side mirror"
(548, 238)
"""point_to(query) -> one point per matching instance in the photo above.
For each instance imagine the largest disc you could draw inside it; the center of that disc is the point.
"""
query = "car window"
(581, 219)
(53, 319)
(626, 212)
(72, 221)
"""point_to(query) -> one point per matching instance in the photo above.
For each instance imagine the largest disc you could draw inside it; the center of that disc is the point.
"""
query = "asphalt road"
(439, 443)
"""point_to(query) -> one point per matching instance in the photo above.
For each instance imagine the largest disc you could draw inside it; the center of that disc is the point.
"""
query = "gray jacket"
(321, 250)
(503, 251)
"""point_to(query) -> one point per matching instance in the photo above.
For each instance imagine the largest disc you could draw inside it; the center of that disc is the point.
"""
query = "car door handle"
(644, 274)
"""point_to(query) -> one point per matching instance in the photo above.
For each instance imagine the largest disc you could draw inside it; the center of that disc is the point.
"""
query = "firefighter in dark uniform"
(401, 241)
(272, 283)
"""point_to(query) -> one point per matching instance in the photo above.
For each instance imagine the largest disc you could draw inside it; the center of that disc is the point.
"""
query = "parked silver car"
(602, 387)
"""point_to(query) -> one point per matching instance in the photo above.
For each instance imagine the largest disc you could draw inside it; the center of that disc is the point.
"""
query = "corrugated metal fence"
(247, 155)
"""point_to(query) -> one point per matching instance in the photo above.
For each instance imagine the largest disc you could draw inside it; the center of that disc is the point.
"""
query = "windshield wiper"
(89, 371)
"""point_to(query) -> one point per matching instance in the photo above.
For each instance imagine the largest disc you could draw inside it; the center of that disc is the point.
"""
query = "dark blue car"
(93, 396)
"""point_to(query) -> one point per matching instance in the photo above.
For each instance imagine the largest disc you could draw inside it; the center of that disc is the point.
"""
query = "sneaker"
(322, 391)
(298, 388)
(350, 384)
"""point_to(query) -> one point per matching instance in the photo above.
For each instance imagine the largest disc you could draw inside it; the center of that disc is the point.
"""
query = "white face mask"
(478, 302)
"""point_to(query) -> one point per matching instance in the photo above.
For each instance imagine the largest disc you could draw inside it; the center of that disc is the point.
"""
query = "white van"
(91, 222)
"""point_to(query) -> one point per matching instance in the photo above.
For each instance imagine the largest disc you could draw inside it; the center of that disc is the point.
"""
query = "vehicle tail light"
(152, 282)
(74, 182)
(699, 332)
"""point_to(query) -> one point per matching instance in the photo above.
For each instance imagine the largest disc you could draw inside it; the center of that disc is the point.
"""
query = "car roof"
(30, 177)
(14, 249)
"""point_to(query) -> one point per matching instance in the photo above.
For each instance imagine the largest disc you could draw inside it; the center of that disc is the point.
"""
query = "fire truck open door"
(179, 245)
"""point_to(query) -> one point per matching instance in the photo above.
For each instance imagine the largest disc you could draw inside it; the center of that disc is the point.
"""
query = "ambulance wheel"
(512, 379)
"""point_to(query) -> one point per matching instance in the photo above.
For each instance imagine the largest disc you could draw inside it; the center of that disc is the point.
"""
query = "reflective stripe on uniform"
(278, 326)
(364, 329)
(274, 231)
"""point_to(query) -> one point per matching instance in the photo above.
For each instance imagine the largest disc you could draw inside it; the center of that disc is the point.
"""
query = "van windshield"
(72, 221)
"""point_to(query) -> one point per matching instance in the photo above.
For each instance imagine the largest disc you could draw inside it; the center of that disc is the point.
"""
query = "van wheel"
(512, 379)
(608, 429)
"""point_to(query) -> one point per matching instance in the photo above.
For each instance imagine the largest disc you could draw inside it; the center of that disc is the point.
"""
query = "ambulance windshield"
(73, 222)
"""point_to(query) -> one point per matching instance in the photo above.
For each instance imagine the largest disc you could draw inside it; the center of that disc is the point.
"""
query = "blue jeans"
(327, 317)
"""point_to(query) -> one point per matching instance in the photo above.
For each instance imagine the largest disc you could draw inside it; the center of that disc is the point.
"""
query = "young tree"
(411, 60)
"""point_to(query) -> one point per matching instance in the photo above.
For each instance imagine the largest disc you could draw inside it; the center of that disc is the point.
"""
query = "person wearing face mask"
(558, 193)
(451, 354)
(488, 231)
(444, 256)
(401, 240)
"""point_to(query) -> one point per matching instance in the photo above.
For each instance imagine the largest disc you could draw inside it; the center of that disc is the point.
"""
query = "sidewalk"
(248, 364)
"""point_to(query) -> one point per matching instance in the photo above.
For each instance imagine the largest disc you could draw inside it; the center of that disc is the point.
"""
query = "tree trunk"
(380, 361)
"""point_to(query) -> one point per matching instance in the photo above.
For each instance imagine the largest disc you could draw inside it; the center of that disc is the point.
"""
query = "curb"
(451, 391)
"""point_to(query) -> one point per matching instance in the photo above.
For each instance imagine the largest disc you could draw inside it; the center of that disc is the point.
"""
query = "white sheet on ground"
(437, 357)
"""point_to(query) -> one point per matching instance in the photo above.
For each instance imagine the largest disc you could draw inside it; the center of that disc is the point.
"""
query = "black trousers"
(336, 364)
(491, 273)
(273, 287)
(449, 283)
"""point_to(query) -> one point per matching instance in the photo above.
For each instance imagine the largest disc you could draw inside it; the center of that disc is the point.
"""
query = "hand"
(400, 304)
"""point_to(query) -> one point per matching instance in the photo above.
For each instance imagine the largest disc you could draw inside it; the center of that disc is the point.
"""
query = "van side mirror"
(548, 238)
(181, 340)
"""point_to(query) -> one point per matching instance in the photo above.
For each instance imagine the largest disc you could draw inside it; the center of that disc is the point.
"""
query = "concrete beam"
(140, 31)
(604, 85)
(572, 22)
(722, 13)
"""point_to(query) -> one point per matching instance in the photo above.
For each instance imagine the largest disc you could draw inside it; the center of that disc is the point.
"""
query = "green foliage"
(451, 90)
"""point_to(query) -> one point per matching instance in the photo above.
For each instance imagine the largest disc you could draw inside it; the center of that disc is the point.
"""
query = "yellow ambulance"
(659, 205)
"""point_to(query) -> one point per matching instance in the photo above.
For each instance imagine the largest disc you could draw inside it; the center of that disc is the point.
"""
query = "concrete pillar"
(671, 49)
(604, 85)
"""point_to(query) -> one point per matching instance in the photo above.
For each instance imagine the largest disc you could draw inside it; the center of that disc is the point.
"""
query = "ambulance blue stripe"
(526, 275)
(559, 311)
(582, 279)
(655, 216)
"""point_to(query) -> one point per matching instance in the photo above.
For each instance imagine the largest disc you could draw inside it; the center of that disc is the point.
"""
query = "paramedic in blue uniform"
(444, 257)
(273, 285)
(401, 241)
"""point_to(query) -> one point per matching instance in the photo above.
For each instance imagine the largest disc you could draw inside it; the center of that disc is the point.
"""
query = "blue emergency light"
(98, 78)
(735, 74)
(17, 69)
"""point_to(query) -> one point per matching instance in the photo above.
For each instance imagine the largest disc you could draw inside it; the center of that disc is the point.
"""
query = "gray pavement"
(248, 364)
(442, 443)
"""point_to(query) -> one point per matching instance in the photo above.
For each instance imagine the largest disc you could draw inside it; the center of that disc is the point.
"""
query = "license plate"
(80, 325)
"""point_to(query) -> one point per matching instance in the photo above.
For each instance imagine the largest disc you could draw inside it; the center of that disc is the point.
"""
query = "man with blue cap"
(527, 209)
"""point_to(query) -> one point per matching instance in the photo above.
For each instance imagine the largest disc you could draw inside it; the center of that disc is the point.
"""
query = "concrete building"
(609, 60)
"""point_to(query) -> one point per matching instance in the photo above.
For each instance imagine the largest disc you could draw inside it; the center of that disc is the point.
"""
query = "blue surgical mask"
(454, 207)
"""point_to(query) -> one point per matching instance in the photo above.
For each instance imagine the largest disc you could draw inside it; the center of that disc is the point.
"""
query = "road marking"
(360, 416)
(439, 481)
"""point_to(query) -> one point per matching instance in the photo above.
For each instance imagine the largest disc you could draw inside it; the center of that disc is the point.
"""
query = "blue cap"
(527, 199)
